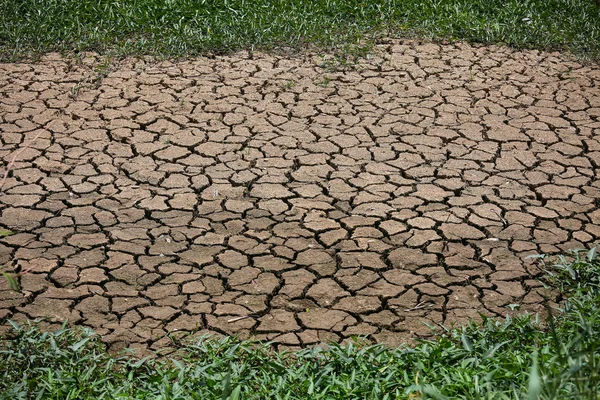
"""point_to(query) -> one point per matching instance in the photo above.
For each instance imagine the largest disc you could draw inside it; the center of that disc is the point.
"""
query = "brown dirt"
(271, 197)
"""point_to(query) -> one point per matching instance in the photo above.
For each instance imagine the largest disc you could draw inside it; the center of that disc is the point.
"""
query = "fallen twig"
(229, 321)
(419, 306)
(19, 152)
(504, 222)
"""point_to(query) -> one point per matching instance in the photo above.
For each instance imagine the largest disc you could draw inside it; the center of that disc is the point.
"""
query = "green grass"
(513, 359)
(176, 28)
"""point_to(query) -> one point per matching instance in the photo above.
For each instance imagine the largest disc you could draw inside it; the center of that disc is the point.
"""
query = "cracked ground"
(290, 199)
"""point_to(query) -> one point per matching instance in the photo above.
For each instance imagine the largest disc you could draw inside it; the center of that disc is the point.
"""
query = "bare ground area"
(274, 197)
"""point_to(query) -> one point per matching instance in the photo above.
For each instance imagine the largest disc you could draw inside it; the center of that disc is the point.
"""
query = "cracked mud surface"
(270, 197)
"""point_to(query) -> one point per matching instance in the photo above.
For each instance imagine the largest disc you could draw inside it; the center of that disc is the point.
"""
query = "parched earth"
(293, 199)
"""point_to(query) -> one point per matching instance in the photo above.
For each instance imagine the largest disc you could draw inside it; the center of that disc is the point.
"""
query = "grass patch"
(512, 359)
(176, 28)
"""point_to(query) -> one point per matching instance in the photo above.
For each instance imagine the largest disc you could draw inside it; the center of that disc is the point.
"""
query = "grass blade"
(535, 383)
